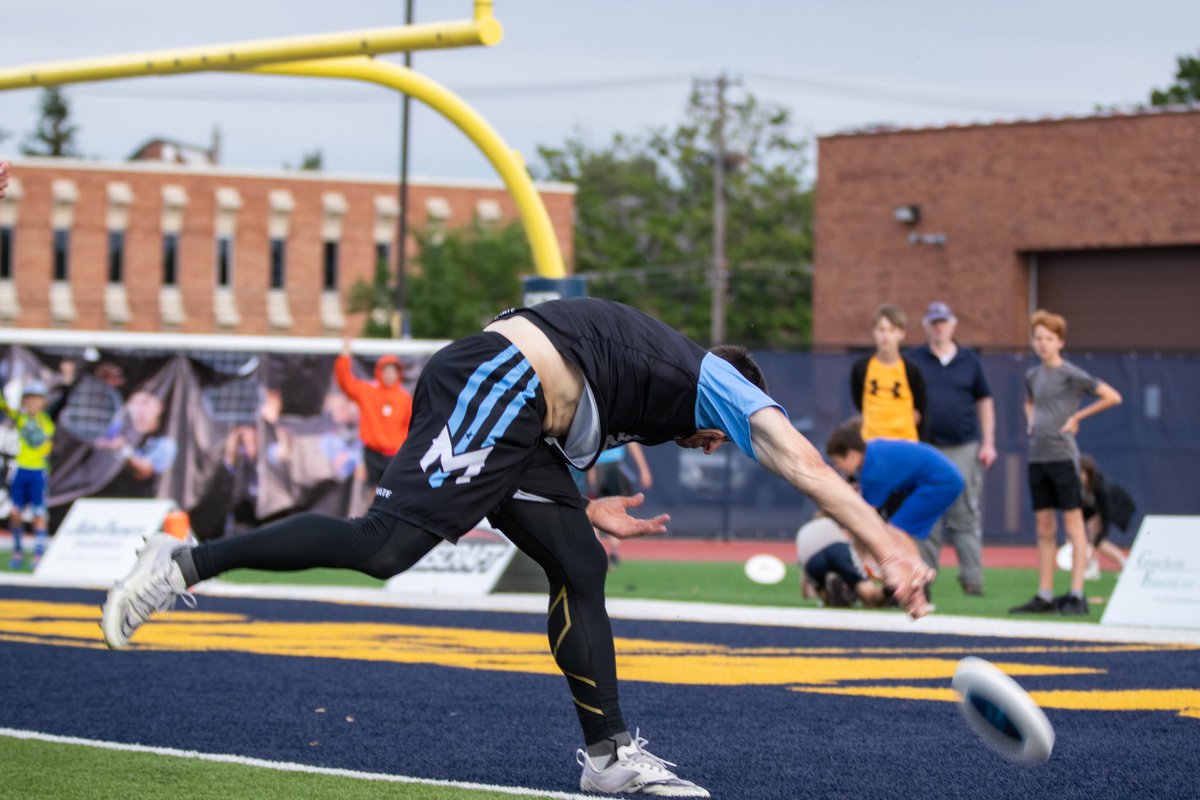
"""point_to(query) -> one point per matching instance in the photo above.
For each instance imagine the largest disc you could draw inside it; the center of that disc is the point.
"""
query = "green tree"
(1186, 88)
(54, 135)
(467, 276)
(377, 298)
(643, 231)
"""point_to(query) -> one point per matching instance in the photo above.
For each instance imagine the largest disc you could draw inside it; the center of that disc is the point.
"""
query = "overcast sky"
(598, 68)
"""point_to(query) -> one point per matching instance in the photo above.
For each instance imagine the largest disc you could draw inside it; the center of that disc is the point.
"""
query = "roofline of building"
(164, 168)
(1111, 114)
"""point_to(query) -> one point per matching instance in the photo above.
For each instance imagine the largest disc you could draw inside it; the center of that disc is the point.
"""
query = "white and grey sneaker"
(153, 585)
(635, 771)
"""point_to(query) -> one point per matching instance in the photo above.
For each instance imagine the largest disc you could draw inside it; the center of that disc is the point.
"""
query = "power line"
(790, 84)
(973, 102)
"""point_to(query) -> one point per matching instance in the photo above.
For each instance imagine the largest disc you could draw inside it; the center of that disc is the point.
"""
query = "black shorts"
(611, 480)
(475, 440)
(1055, 484)
(376, 464)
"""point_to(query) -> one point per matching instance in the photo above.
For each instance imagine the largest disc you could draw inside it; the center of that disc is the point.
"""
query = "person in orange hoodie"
(384, 408)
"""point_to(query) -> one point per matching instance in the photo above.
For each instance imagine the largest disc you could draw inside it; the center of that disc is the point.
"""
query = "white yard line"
(621, 608)
(283, 766)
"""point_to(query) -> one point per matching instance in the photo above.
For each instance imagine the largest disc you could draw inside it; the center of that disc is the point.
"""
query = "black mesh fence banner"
(241, 438)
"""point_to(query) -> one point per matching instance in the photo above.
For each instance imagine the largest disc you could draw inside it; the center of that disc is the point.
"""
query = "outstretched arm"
(611, 515)
(785, 452)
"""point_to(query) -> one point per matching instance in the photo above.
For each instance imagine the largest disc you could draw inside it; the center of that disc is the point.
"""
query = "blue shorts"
(834, 558)
(921, 510)
(28, 490)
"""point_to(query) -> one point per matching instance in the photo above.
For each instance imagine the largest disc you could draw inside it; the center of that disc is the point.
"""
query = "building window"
(383, 255)
(224, 261)
(62, 242)
(170, 257)
(6, 253)
(116, 256)
(331, 266)
(278, 262)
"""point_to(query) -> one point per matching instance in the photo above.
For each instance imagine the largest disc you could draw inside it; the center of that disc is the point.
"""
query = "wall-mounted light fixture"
(907, 215)
(927, 238)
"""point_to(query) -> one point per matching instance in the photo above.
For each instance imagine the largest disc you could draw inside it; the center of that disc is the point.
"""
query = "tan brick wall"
(998, 193)
(33, 253)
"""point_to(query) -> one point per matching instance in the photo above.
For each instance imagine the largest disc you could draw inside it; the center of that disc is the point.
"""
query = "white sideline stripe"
(669, 611)
(283, 766)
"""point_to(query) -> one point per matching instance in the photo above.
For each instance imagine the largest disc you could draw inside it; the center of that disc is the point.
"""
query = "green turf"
(725, 582)
(33, 770)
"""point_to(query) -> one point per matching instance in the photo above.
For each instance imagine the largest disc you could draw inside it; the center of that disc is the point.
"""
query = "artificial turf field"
(473, 697)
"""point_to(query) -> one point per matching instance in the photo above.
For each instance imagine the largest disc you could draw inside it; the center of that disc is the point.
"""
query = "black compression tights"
(559, 539)
(376, 544)
(562, 542)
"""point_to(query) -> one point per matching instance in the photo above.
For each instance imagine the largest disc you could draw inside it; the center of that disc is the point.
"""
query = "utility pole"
(400, 322)
(719, 272)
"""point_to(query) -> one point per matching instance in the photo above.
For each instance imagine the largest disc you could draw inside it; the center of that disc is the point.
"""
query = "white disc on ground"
(1064, 557)
(1002, 713)
(765, 568)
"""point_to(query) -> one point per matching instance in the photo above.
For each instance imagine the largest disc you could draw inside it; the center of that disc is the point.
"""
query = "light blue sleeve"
(725, 400)
(160, 452)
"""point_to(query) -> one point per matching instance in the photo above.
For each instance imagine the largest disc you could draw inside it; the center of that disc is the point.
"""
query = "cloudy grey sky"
(598, 68)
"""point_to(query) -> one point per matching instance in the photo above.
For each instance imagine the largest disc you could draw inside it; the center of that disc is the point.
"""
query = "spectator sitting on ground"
(960, 422)
(384, 408)
(885, 468)
(887, 388)
(832, 568)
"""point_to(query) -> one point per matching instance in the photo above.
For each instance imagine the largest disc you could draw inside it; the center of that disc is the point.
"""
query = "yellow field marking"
(684, 663)
(1185, 702)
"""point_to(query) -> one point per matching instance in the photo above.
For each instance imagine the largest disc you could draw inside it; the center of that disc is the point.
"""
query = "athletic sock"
(1046, 594)
(604, 752)
(1076, 593)
(183, 558)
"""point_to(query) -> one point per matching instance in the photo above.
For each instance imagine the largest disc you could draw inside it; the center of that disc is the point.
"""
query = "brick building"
(198, 249)
(1097, 218)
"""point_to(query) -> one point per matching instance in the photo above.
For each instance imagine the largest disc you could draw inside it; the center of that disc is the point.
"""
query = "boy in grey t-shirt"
(1054, 391)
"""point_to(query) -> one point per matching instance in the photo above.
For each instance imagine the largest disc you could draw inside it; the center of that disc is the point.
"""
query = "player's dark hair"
(742, 362)
(846, 437)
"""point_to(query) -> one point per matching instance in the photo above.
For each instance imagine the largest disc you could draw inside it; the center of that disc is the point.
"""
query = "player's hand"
(1071, 426)
(4, 165)
(906, 575)
(611, 515)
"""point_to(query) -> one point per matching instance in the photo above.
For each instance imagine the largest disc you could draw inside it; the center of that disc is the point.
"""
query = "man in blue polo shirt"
(962, 424)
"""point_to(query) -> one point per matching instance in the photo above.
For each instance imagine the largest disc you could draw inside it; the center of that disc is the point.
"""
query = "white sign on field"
(1160, 585)
(97, 543)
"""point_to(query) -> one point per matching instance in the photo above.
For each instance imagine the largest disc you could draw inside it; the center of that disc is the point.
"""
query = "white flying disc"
(1064, 557)
(765, 568)
(1002, 713)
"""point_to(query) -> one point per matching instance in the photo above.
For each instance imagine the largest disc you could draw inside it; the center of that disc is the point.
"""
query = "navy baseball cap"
(937, 311)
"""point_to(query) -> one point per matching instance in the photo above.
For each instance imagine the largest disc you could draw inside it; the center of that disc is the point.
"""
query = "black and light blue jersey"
(648, 382)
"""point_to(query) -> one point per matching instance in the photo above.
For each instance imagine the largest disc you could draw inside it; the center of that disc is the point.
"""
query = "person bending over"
(497, 418)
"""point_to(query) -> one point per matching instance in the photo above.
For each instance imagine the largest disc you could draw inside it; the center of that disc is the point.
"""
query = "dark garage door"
(1146, 299)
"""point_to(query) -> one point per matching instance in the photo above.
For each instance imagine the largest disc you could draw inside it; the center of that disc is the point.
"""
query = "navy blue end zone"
(519, 729)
